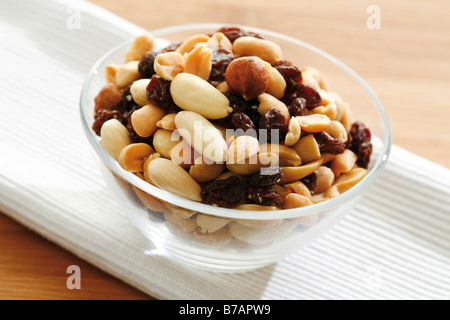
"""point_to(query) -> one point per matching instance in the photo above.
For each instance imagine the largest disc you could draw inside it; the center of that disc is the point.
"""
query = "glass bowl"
(245, 240)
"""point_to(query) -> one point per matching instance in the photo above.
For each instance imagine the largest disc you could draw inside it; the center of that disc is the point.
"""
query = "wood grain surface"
(406, 62)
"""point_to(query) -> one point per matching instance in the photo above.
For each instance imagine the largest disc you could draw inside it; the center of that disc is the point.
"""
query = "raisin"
(172, 47)
(102, 116)
(264, 196)
(227, 193)
(242, 121)
(220, 60)
(310, 181)
(298, 107)
(158, 93)
(234, 32)
(239, 105)
(359, 142)
(266, 177)
(273, 122)
(146, 63)
(293, 77)
(328, 144)
(312, 97)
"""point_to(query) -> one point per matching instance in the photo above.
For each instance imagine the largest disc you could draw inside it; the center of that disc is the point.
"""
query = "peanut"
(287, 156)
(132, 157)
(114, 137)
(299, 188)
(259, 224)
(314, 122)
(185, 225)
(325, 178)
(167, 122)
(204, 172)
(198, 62)
(292, 174)
(337, 130)
(164, 141)
(218, 238)
(294, 132)
(251, 46)
(138, 91)
(202, 135)
(349, 179)
(145, 166)
(295, 200)
(140, 46)
(242, 148)
(210, 224)
(313, 73)
(183, 154)
(253, 164)
(268, 102)
(171, 177)
(192, 93)
(258, 236)
(144, 120)
(327, 195)
(190, 43)
(110, 73)
(307, 148)
(149, 201)
(277, 83)
(223, 87)
(343, 162)
(127, 73)
(219, 41)
(167, 65)
(328, 110)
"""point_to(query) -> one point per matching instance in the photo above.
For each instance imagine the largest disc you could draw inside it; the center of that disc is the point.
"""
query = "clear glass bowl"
(247, 239)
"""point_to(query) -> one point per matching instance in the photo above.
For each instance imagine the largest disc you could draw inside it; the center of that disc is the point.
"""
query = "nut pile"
(226, 120)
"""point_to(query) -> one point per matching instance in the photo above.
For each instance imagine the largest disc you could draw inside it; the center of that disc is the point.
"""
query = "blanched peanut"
(198, 62)
(219, 41)
(251, 46)
(349, 179)
(192, 93)
(210, 224)
(287, 156)
(294, 132)
(167, 122)
(347, 116)
(204, 172)
(328, 110)
(167, 65)
(190, 43)
(298, 187)
(140, 46)
(149, 201)
(258, 236)
(340, 105)
(185, 225)
(127, 73)
(164, 141)
(327, 195)
(138, 91)
(223, 87)
(307, 148)
(292, 174)
(114, 137)
(325, 178)
(151, 157)
(268, 102)
(327, 97)
(313, 73)
(202, 135)
(294, 200)
(343, 162)
(337, 130)
(110, 73)
(254, 164)
(327, 157)
(183, 154)
(242, 148)
(313, 123)
(108, 97)
(277, 83)
(171, 177)
(144, 120)
(309, 80)
(132, 157)
(218, 238)
(281, 190)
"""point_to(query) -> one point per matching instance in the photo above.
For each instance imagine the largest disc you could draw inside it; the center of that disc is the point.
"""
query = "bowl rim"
(323, 206)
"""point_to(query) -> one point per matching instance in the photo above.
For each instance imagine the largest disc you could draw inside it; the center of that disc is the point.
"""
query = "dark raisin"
(266, 177)
(172, 47)
(359, 142)
(102, 116)
(242, 121)
(232, 32)
(227, 193)
(127, 101)
(328, 144)
(298, 107)
(264, 196)
(255, 35)
(312, 97)
(310, 181)
(239, 105)
(293, 77)
(146, 63)
(220, 60)
(158, 93)
(273, 122)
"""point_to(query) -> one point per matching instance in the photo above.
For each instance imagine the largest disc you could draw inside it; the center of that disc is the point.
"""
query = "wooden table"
(406, 62)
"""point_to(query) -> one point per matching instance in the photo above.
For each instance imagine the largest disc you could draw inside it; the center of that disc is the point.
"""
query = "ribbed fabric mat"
(395, 244)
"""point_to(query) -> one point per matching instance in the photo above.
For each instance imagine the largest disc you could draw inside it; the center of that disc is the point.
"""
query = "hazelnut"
(247, 77)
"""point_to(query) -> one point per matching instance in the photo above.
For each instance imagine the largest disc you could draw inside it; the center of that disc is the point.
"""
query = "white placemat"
(394, 245)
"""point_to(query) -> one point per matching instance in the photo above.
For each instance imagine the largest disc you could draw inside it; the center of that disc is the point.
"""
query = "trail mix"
(225, 120)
